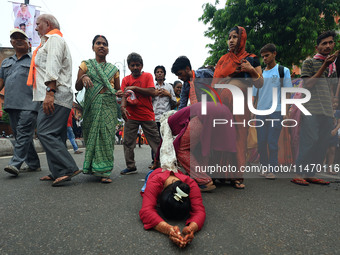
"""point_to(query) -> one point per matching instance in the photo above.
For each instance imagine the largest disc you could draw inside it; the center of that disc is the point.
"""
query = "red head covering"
(228, 63)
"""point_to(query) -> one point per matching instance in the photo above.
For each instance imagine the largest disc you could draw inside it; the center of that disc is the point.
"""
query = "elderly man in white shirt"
(51, 77)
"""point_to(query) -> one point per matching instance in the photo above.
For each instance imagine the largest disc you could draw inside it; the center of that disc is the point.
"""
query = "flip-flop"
(57, 182)
(237, 184)
(106, 180)
(68, 178)
(300, 181)
(48, 178)
(76, 173)
(318, 181)
(207, 187)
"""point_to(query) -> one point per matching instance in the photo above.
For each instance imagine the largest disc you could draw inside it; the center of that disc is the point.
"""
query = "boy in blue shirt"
(275, 76)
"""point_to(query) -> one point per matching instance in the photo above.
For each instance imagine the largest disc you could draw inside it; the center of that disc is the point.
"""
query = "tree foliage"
(292, 25)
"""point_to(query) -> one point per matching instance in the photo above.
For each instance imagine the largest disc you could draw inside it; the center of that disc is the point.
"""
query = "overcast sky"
(158, 30)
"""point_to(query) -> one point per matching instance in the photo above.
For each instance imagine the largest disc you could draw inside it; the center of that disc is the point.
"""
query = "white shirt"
(163, 104)
(54, 63)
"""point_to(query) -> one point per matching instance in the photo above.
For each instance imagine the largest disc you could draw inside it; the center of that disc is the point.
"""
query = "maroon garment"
(186, 156)
(219, 138)
(154, 187)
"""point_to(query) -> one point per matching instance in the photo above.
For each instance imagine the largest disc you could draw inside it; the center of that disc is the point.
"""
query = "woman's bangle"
(81, 77)
(190, 228)
(193, 226)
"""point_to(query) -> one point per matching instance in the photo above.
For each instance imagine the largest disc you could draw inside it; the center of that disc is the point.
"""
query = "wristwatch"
(48, 89)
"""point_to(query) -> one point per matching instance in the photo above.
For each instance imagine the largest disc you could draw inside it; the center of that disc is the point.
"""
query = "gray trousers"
(130, 135)
(23, 124)
(52, 133)
(315, 132)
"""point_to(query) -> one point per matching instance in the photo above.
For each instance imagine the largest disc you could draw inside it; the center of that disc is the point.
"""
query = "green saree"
(100, 119)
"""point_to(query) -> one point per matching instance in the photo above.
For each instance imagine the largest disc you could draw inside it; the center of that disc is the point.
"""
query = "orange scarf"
(32, 74)
(229, 63)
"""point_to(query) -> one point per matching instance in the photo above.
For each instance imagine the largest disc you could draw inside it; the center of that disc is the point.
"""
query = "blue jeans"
(315, 132)
(268, 138)
(70, 136)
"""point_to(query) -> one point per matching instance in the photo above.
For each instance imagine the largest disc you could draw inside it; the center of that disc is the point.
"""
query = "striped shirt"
(54, 63)
(321, 98)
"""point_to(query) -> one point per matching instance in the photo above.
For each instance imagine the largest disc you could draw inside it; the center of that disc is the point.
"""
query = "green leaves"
(292, 25)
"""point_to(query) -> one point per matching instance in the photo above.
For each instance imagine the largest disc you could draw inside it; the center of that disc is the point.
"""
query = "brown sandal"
(207, 187)
(106, 180)
(61, 180)
(238, 184)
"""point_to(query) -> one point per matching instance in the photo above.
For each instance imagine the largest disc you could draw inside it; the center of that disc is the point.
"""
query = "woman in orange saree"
(241, 69)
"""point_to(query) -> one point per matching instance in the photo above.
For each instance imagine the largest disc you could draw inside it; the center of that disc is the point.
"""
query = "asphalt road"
(87, 217)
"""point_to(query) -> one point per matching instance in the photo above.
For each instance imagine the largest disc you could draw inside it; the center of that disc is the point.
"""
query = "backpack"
(282, 74)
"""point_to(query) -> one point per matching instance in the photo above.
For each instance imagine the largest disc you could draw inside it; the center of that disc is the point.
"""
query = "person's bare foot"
(46, 178)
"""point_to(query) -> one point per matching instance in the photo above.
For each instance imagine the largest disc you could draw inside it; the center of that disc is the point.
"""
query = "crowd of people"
(181, 134)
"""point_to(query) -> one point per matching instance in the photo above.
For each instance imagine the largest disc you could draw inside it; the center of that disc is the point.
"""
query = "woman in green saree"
(101, 81)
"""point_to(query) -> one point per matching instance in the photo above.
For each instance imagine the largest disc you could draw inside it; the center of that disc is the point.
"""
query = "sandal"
(207, 187)
(300, 181)
(317, 181)
(61, 180)
(76, 172)
(237, 184)
(48, 178)
(106, 180)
